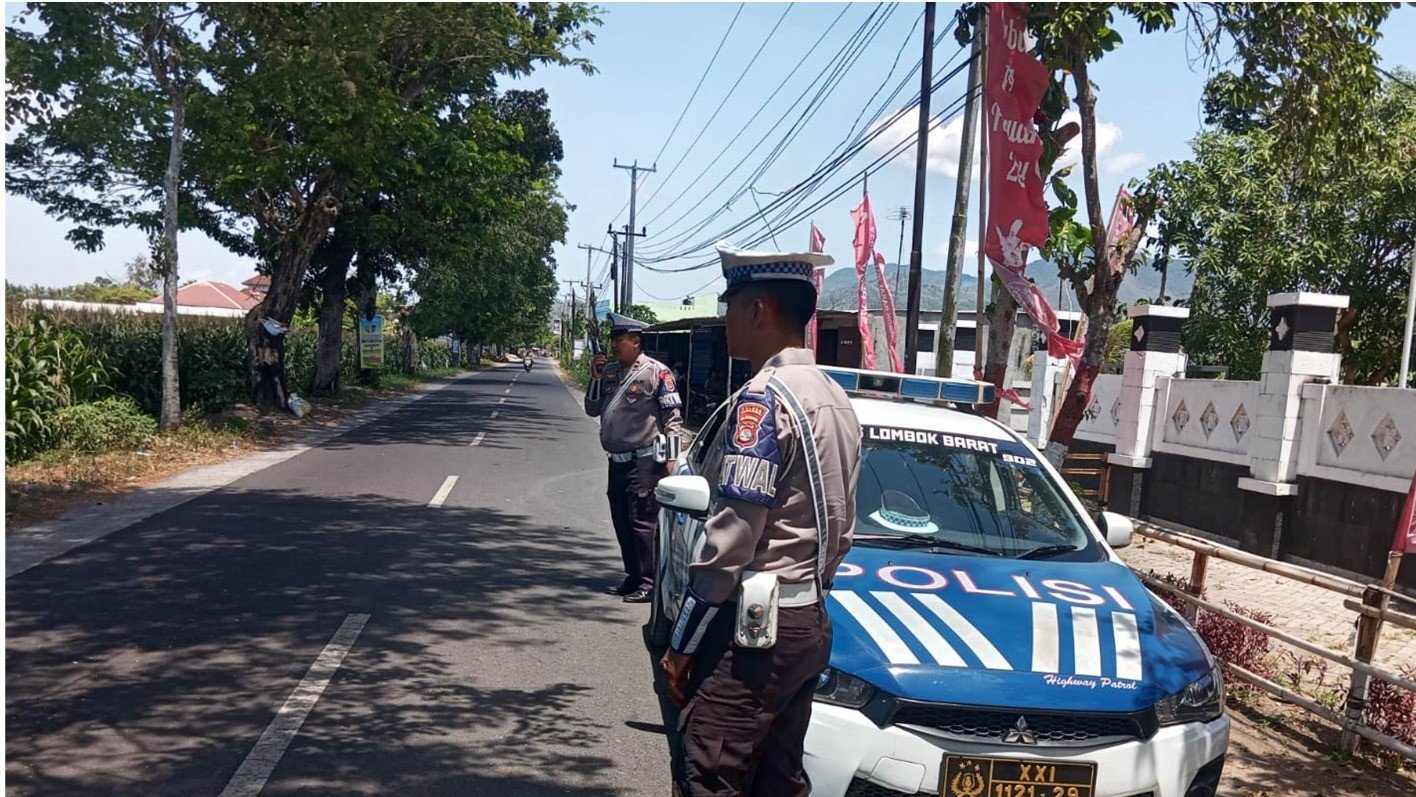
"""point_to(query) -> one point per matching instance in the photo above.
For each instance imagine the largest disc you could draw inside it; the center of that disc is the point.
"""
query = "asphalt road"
(199, 652)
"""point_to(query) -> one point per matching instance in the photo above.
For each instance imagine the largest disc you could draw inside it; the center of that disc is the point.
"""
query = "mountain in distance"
(839, 291)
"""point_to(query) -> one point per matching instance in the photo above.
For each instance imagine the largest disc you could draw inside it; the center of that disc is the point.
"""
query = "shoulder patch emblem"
(750, 415)
(667, 377)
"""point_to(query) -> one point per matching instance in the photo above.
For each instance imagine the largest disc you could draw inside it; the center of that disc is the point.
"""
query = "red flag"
(1004, 392)
(1121, 229)
(864, 245)
(887, 307)
(818, 281)
(817, 242)
(1405, 539)
(1017, 215)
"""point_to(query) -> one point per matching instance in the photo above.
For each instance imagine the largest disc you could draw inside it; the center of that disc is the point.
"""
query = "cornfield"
(58, 359)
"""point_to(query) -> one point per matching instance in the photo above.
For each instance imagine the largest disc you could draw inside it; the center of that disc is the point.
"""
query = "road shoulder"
(38, 543)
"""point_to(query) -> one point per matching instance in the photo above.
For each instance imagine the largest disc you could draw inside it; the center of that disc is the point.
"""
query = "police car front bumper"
(844, 746)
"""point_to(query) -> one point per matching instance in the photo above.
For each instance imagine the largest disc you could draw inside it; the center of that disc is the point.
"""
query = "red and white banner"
(887, 307)
(864, 245)
(1121, 230)
(865, 236)
(816, 243)
(1014, 83)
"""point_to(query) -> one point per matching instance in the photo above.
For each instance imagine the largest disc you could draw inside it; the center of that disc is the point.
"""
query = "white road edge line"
(251, 776)
(478, 440)
(443, 492)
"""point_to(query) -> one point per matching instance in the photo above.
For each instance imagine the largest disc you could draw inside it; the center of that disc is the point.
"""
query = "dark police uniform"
(640, 414)
(784, 465)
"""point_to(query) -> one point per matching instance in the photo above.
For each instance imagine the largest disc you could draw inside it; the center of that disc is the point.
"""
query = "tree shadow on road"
(149, 661)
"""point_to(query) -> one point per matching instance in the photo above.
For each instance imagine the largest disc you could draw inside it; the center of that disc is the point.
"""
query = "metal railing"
(1371, 607)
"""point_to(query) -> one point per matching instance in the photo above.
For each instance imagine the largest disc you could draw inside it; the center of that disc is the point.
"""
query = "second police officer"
(783, 467)
(640, 410)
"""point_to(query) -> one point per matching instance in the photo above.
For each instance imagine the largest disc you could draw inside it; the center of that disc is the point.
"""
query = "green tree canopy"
(1249, 225)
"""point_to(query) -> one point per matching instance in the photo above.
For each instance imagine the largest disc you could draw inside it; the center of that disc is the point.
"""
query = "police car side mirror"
(687, 494)
(1117, 528)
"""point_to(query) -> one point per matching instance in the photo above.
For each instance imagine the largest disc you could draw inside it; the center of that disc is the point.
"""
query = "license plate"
(979, 776)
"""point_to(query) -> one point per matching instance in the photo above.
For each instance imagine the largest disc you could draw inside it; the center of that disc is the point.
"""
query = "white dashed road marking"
(443, 492)
(508, 390)
(478, 440)
(495, 413)
(501, 400)
(253, 773)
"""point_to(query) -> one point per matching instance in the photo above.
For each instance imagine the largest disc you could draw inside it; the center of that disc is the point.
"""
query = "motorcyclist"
(526, 361)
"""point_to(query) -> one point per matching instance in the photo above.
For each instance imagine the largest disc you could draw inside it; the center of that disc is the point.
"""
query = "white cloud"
(970, 248)
(1122, 163)
(944, 146)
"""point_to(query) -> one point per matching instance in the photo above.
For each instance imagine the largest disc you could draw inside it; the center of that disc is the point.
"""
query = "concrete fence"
(1292, 466)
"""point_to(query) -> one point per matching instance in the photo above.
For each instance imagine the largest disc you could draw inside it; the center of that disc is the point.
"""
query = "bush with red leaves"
(1391, 709)
(1233, 642)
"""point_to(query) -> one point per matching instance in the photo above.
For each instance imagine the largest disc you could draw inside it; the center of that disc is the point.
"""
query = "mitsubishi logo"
(1020, 733)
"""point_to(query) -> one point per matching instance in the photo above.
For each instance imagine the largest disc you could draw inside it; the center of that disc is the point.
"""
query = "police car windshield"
(964, 493)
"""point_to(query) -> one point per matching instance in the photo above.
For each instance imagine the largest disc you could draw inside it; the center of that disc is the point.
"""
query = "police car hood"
(1008, 633)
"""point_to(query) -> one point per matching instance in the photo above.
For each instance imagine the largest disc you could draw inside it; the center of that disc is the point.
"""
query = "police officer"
(784, 465)
(640, 412)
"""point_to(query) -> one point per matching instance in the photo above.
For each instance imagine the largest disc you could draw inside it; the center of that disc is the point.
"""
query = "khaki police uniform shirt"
(764, 516)
(636, 404)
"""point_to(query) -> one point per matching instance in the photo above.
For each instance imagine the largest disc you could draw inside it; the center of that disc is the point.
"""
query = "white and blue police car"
(987, 640)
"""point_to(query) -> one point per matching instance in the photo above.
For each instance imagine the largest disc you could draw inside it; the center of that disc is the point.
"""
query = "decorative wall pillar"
(1155, 352)
(1302, 349)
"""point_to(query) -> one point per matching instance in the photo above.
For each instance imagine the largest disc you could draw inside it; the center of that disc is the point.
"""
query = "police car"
(987, 640)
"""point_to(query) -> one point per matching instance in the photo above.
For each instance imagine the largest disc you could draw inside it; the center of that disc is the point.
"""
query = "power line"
(895, 151)
(800, 191)
(658, 250)
(701, 78)
(747, 125)
(724, 102)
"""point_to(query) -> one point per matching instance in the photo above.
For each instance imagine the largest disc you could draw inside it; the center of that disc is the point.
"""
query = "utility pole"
(1410, 318)
(921, 162)
(614, 300)
(958, 227)
(902, 215)
(570, 335)
(634, 170)
(626, 288)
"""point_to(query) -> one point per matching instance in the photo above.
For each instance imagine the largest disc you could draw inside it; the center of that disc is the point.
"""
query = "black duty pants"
(745, 726)
(635, 515)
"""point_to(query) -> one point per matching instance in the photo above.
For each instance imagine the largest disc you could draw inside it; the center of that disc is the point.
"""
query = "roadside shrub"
(1233, 642)
(105, 425)
(1170, 579)
(1391, 709)
(47, 367)
(434, 354)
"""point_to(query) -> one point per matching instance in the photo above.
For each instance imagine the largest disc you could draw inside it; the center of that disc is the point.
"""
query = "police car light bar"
(926, 388)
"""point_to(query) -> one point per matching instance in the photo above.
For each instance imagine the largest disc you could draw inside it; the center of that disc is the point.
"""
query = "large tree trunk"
(170, 417)
(329, 348)
(1100, 302)
(298, 244)
(1002, 321)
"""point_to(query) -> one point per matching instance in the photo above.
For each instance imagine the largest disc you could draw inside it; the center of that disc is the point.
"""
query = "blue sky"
(649, 57)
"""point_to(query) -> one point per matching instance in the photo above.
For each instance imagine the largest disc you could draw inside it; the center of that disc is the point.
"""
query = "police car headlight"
(840, 689)
(1201, 701)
